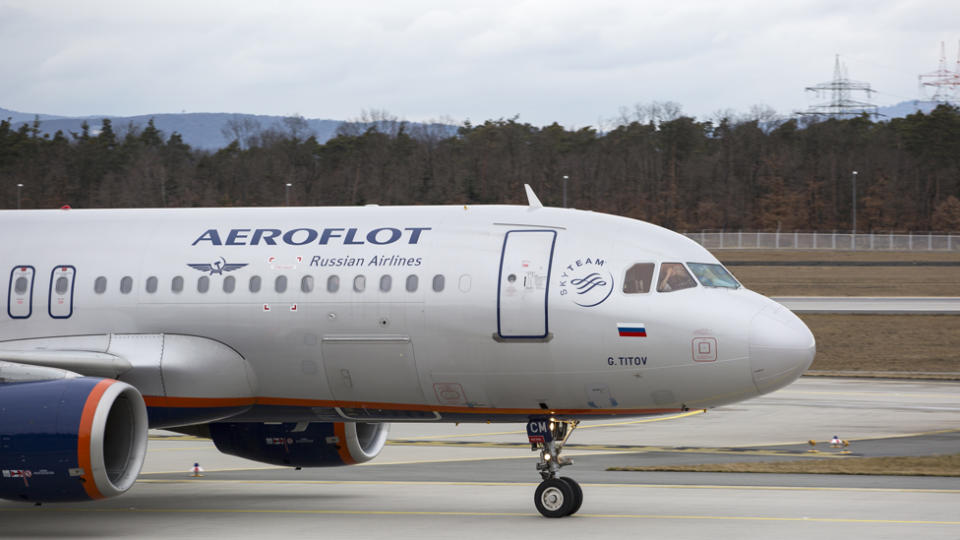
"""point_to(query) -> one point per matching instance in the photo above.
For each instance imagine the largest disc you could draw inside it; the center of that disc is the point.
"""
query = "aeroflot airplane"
(294, 336)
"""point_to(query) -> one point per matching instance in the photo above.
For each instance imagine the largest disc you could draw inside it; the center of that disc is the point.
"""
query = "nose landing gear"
(556, 496)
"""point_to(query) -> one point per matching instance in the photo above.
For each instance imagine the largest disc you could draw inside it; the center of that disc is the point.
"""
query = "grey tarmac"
(474, 481)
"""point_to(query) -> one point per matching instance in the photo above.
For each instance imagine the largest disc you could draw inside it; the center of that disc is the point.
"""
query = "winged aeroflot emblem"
(217, 267)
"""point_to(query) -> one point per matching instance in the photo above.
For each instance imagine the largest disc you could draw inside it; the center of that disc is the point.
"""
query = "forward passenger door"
(525, 266)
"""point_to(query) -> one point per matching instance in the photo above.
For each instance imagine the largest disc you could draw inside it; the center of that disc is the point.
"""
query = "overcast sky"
(574, 62)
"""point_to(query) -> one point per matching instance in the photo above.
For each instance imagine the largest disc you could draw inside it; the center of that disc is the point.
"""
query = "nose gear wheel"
(556, 496)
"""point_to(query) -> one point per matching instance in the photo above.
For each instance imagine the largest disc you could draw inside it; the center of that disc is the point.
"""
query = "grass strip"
(913, 343)
(947, 465)
(911, 375)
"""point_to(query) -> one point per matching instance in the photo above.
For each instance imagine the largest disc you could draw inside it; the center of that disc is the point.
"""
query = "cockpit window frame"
(648, 287)
(712, 284)
(690, 284)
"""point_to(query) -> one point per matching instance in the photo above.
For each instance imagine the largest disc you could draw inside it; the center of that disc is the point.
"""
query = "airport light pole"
(853, 237)
(854, 202)
(19, 188)
(288, 193)
(565, 178)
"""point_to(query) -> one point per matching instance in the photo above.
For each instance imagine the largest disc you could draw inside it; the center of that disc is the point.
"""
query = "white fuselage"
(504, 332)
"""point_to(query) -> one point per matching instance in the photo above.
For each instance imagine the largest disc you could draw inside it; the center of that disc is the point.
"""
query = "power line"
(840, 89)
(946, 83)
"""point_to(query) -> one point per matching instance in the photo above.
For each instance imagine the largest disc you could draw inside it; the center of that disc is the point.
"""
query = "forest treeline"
(657, 165)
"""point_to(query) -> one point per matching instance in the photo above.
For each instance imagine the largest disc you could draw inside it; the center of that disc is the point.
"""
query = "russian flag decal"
(629, 329)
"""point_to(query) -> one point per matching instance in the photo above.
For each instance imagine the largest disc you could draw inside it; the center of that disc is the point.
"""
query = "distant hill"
(199, 130)
(205, 130)
(906, 108)
(19, 117)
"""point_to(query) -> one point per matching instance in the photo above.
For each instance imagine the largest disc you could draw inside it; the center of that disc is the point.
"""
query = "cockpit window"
(674, 277)
(713, 275)
(638, 278)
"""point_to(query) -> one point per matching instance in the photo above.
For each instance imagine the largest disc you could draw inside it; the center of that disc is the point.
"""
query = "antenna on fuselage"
(532, 199)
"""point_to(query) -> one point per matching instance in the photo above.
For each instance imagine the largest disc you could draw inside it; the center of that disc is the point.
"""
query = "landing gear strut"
(556, 496)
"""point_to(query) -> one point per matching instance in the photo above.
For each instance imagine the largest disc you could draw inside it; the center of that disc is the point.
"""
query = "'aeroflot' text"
(304, 236)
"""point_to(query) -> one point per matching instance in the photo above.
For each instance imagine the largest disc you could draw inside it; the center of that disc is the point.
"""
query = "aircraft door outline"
(523, 284)
(60, 299)
(372, 368)
(20, 293)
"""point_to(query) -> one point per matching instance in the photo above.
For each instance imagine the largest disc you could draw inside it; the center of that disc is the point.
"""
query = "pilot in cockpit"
(673, 277)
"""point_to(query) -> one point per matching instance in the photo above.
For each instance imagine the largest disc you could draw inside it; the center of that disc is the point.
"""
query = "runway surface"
(477, 481)
(886, 305)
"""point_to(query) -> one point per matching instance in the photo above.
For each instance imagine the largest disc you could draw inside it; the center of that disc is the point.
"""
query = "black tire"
(553, 498)
(577, 494)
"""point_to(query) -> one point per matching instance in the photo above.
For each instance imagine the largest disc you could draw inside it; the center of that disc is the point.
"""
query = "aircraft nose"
(781, 348)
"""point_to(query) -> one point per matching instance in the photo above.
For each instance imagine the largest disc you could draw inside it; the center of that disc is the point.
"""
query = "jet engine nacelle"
(318, 444)
(70, 439)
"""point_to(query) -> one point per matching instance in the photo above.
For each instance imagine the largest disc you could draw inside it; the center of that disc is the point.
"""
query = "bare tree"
(379, 120)
(765, 116)
(297, 127)
(242, 129)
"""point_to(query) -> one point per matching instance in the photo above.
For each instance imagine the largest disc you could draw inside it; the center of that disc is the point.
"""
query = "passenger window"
(203, 284)
(20, 299)
(62, 285)
(638, 278)
(412, 282)
(60, 301)
(126, 284)
(229, 284)
(280, 284)
(333, 284)
(306, 284)
(359, 283)
(177, 285)
(152, 284)
(674, 277)
(385, 283)
(254, 284)
(438, 282)
(99, 285)
(713, 275)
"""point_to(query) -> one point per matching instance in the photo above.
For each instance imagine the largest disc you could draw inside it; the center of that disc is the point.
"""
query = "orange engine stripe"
(341, 432)
(83, 437)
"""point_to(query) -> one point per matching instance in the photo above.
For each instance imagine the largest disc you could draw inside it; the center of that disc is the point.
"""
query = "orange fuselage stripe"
(203, 403)
(83, 437)
(187, 402)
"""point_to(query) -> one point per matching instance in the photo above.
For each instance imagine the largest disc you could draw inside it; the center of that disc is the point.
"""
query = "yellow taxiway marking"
(436, 513)
(591, 426)
(622, 449)
(628, 422)
(188, 480)
(877, 438)
(572, 452)
(432, 441)
(228, 469)
(921, 434)
(881, 394)
(645, 420)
